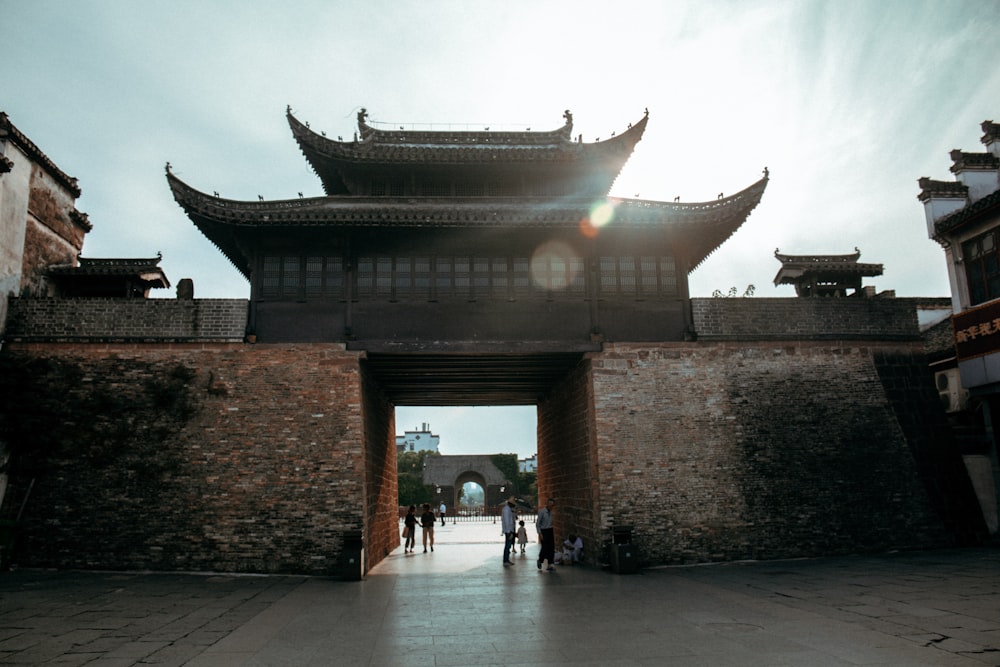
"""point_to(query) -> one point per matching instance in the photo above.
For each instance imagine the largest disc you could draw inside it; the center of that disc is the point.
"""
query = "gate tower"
(446, 243)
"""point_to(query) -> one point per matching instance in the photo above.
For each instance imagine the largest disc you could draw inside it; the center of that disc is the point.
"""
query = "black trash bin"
(352, 556)
(624, 554)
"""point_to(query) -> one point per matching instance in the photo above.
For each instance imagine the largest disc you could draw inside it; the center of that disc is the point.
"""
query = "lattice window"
(463, 275)
(436, 189)
(982, 267)
(404, 277)
(498, 276)
(291, 275)
(668, 276)
(314, 276)
(522, 275)
(577, 276)
(609, 275)
(383, 276)
(422, 275)
(540, 277)
(333, 277)
(271, 277)
(468, 189)
(366, 276)
(648, 281)
(443, 285)
(626, 275)
(481, 275)
(644, 275)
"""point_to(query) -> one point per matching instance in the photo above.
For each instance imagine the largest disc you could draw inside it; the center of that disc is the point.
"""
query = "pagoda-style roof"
(823, 275)
(344, 167)
(120, 277)
(699, 228)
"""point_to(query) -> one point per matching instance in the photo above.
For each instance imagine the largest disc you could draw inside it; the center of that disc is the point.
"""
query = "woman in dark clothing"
(410, 521)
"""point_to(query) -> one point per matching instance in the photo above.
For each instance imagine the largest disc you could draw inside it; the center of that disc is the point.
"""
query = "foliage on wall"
(55, 413)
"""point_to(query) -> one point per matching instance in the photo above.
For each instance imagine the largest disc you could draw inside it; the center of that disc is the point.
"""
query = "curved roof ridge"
(8, 129)
(369, 132)
(817, 258)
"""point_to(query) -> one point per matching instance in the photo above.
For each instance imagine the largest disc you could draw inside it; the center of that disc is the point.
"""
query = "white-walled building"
(415, 441)
(963, 215)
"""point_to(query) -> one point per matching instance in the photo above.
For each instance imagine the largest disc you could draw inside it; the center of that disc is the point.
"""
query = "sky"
(846, 103)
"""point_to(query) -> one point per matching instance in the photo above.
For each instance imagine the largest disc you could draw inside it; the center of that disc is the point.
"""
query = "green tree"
(527, 484)
(410, 478)
(507, 464)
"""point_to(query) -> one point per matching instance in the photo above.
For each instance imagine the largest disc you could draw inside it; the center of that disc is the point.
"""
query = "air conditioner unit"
(954, 397)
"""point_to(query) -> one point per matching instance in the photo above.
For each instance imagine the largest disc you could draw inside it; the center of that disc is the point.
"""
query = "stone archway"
(468, 477)
(448, 473)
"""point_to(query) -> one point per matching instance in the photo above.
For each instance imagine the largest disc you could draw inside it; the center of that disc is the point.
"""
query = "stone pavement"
(459, 606)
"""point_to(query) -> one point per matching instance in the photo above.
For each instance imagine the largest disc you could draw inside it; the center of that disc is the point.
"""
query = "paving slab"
(458, 605)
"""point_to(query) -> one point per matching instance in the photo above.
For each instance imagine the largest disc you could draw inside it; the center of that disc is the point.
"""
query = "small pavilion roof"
(231, 225)
(795, 268)
(553, 150)
(145, 269)
(110, 277)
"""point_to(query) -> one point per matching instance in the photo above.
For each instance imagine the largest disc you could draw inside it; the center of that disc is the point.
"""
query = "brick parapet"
(126, 320)
(759, 319)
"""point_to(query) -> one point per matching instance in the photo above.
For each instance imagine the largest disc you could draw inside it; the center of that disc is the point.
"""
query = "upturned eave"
(700, 227)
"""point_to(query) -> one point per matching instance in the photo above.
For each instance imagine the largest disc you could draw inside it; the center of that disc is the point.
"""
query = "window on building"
(407, 278)
(982, 267)
(644, 276)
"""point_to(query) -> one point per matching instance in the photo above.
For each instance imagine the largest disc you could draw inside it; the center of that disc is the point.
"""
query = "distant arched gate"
(447, 474)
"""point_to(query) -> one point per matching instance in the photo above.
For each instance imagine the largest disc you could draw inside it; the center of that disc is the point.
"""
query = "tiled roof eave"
(463, 148)
(346, 211)
(952, 222)
(9, 130)
(708, 224)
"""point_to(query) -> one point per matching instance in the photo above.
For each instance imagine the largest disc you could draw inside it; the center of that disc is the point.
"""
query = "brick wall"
(221, 457)
(567, 461)
(381, 484)
(721, 451)
(184, 453)
(805, 319)
(126, 319)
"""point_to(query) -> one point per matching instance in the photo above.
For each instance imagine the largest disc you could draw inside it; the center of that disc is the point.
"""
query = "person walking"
(427, 521)
(443, 510)
(508, 524)
(410, 525)
(522, 536)
(544, 526)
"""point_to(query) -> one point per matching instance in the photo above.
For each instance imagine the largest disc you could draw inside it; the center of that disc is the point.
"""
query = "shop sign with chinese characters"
(977, 331)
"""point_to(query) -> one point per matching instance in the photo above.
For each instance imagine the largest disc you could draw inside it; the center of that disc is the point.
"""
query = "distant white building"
(414, 441)
(529, 464)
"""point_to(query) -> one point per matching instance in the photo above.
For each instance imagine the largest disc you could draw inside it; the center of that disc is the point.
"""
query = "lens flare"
(601, 214)
(555, 266)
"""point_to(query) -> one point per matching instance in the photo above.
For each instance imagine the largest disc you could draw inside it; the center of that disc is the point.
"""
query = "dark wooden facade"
(439, 238)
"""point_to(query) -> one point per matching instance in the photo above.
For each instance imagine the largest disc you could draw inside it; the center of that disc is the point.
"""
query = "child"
(522, 535)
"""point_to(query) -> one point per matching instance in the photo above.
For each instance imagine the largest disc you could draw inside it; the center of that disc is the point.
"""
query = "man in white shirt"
(508, 524)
